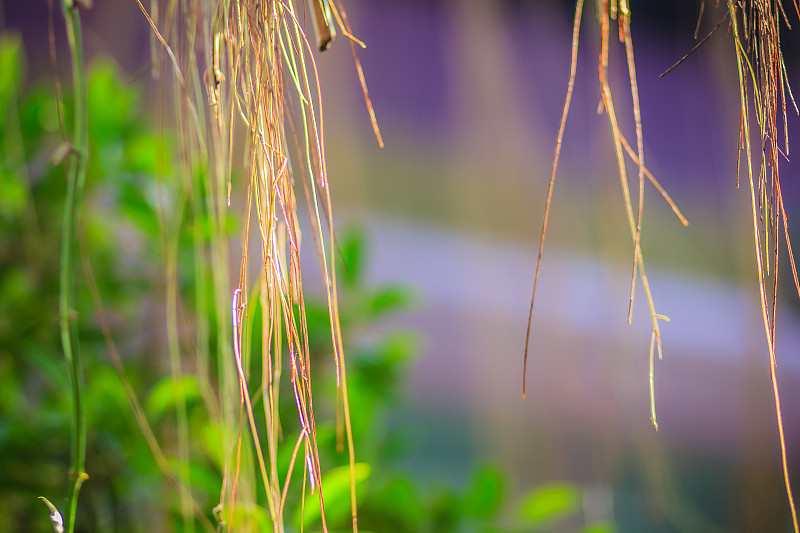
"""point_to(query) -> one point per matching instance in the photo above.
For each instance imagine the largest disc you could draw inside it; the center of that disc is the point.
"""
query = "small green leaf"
(398, 348)
(600, 527)
(112, 104)
(167, 392)
(106, 400)
(247, 516)
(13, 195)
(48, 116)
(212, 439)
(549, 503)
(142, 152)
(485, 495)
(336, 491)
(12, 64)
(351, 248)
(136, 206)
(400, 500)
(387, 300)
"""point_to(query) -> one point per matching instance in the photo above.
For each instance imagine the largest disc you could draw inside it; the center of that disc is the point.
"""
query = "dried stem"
(576, 29)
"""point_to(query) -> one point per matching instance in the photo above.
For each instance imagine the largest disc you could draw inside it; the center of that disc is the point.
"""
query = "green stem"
(76, 176)
(176, 371)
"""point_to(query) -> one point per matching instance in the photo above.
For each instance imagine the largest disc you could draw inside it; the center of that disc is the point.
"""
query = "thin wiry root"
(762, 79)
(620, 143)
(570, 85)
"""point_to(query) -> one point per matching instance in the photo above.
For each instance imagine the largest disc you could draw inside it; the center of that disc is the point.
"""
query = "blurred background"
(468, 95)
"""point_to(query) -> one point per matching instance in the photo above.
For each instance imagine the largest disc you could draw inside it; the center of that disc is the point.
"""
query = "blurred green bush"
(132, 183)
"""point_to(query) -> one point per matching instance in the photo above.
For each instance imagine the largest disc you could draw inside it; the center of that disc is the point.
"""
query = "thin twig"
(655, 182)
(696, 47)
(576, 28)
(626, 31)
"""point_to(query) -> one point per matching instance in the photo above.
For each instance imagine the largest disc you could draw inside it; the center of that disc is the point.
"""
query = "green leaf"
(399, 500)
(12, 66)
(142, 153)
(600, 527)
(398, 348)
(549, 503)
(351, 248)
(112, 104)
(16, 285)
(105, 400)
(387, 300)
(12, 398)
(247, 516)
(336, 491)
(211, 435)
(205, 480)
(485, 495)
(134, 205)
(168, 392)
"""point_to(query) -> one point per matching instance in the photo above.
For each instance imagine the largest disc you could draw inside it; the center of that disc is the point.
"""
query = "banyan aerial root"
(764, 94)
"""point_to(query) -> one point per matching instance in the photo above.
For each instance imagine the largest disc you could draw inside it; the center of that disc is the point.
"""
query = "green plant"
(76, 178)
(118, 236)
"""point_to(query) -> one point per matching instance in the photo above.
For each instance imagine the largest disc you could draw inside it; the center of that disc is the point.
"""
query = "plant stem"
(76, 176)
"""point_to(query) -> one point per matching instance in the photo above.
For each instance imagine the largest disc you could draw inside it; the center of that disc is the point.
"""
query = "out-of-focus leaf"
(142, 152)
(399, 348)
(204, 479)
(399, 499)
(138, 209)
(336, 491)
(212, 438)
(600, 527)
(111, 103)
(248, 517)
(13, 194)
(16, 286)
(387, 300)
(48, 116)
(351, 248)
(37, 113)
(445, 511)
(549, 503)
(12, 65)
(51, 370)
(485, 494)
(167, 392)
(105, 399)
(11, 392)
